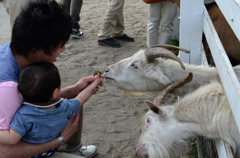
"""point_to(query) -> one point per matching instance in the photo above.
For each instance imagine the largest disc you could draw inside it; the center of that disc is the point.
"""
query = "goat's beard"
(166, 150)
(161, 152)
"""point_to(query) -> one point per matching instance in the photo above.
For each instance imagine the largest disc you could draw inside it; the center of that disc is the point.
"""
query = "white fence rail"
(194, 20)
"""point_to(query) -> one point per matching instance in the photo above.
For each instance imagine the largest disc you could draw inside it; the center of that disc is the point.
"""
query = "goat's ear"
(154, 107)
(157, 76)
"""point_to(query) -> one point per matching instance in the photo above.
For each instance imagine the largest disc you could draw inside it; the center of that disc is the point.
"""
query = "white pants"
(165, 12)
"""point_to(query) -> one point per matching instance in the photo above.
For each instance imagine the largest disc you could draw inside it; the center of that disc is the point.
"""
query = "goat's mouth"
(109, 79)
(141, 152)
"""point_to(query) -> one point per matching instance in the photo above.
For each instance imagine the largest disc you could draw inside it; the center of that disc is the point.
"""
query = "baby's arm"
(86, 93)
(9, 137)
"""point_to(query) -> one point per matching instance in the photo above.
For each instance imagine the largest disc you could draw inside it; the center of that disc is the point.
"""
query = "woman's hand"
(83, 82)
(72, 91)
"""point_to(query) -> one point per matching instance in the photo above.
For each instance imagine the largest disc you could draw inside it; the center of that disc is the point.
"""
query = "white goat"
(206, 112)
(145, 71)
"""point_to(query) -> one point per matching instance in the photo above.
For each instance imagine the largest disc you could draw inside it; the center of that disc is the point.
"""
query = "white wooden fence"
(194, 20)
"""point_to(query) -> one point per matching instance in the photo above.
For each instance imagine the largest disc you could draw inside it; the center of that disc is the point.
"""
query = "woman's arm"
(9, 137)
(24, 150)
(70, 92)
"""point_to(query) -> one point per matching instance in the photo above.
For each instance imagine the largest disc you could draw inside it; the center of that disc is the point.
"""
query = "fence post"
(191, 23)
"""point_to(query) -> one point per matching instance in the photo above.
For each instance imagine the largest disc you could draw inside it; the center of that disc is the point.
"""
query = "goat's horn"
(170, 47)
(155, 52)
(159, 99)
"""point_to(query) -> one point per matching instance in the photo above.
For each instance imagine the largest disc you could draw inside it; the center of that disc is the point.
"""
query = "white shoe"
(86, 151)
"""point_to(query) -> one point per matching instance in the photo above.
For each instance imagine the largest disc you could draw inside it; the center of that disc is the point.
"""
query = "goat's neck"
(209, 110)
(201, 75)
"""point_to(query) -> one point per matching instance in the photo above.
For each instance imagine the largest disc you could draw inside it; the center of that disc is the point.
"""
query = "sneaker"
(86, 151)
(109, 42)
(77, 32)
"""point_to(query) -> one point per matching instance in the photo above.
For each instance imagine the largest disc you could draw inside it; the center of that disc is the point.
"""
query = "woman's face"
(53, 56)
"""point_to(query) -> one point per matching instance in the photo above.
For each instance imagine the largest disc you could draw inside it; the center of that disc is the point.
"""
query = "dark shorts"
(46, 154)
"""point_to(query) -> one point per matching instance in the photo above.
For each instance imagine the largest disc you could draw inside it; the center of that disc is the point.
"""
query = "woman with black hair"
(39, 34)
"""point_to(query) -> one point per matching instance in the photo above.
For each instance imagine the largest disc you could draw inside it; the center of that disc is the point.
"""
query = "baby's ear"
(55, 94)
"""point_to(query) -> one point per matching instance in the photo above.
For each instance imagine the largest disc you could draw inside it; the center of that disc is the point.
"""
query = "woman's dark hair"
(38, 81)
(41, 25)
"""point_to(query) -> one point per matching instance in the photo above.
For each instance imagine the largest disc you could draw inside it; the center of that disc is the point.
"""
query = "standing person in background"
(164, 13)
(73, 8)
(113, 25)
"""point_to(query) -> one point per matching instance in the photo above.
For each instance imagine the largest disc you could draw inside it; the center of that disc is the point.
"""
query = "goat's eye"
(134, 66)
(148, 120)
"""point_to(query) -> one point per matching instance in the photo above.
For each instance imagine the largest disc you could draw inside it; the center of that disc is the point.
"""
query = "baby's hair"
(38, 81)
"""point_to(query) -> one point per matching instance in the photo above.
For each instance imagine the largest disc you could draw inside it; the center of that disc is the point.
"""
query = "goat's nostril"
(107, 70)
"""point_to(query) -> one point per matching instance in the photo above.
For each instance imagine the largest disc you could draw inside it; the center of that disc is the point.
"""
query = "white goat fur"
(204, 112)
(137, 74)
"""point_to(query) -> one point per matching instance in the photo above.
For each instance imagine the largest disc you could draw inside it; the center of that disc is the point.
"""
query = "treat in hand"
(97, 72)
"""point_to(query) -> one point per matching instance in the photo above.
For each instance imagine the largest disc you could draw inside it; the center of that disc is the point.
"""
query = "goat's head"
(159, 138)
(142, 71)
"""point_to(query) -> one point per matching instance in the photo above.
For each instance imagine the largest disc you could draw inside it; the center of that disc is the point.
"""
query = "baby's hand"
(98, 82)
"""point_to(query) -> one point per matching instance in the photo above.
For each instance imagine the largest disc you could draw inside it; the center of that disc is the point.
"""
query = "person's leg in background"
(153, 23)
(119, 29)
(13, 8)
(168, 15)
(66, 6)
(113, 25)
(119, 26)
(115, 7)
(73, 7)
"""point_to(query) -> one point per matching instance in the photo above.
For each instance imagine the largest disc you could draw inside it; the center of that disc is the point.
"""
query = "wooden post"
(191, 23)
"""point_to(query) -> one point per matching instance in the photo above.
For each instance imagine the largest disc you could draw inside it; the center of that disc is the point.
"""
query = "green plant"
(193, 144)
(175, 43)
(193, 148)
